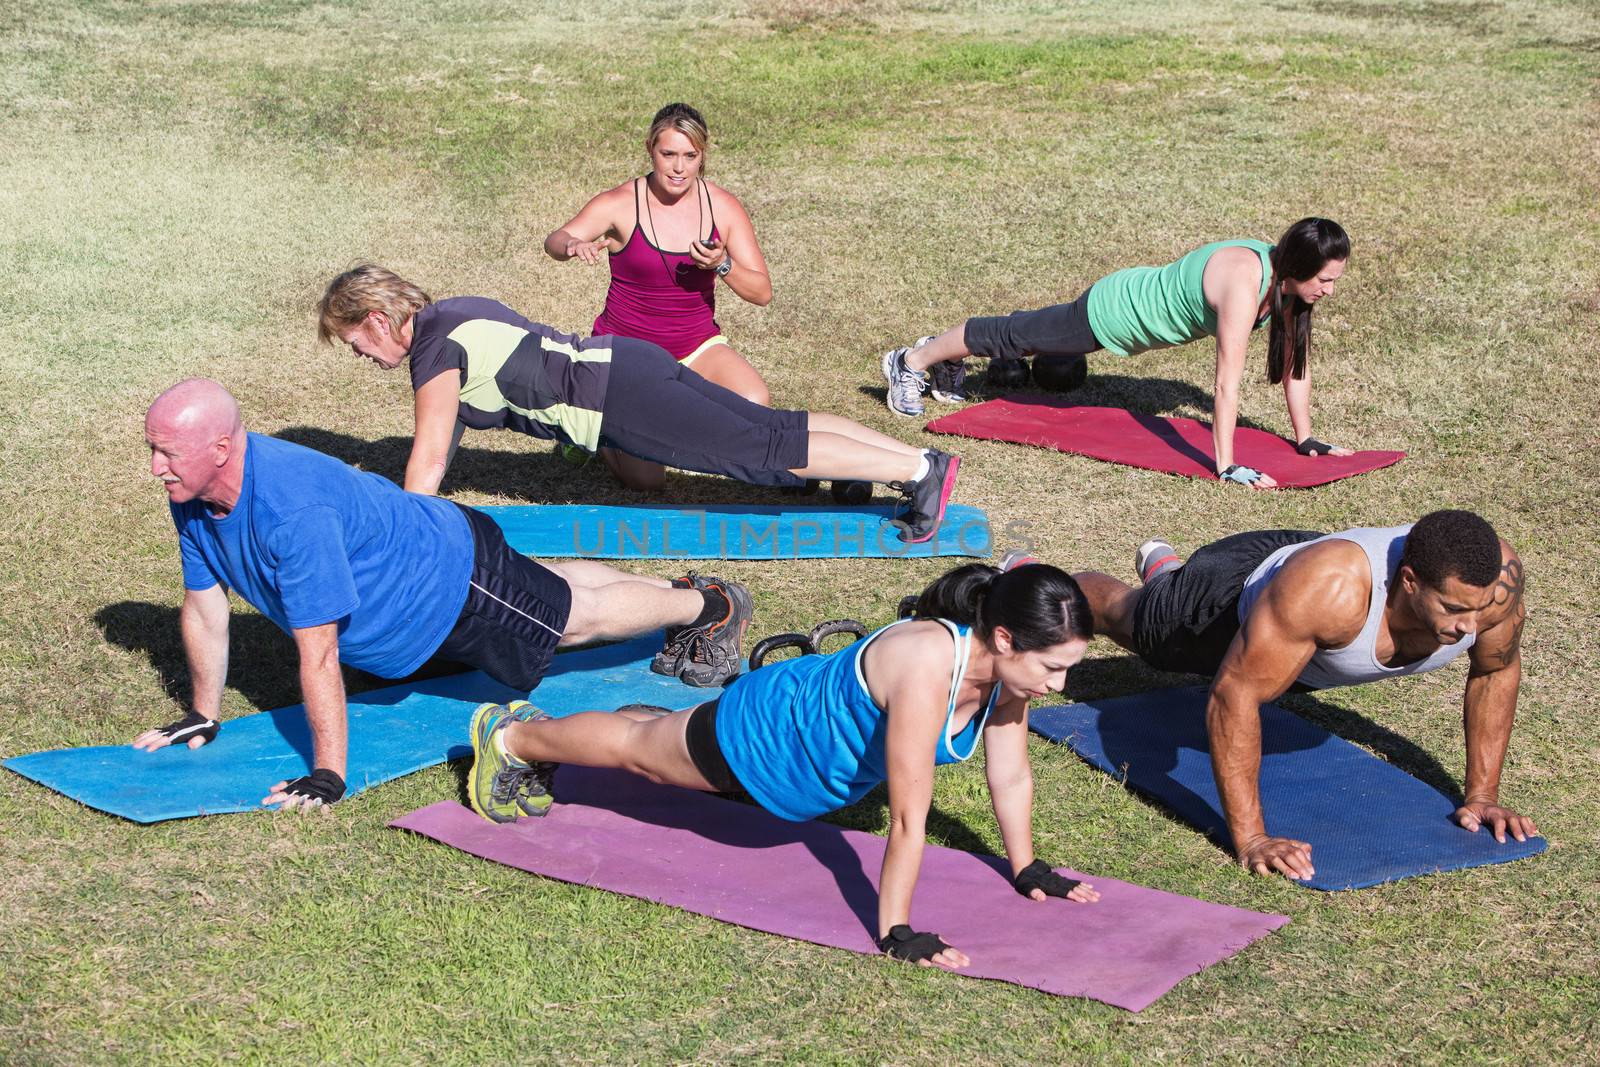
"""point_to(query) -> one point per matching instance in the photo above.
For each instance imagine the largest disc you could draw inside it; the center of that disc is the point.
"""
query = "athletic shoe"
(926, 498)
(1153, 557)
(1017, 557)
(708, 655)
(496, 774)
(534, 794)
(576, 455)
(949, 377)
(906, 386)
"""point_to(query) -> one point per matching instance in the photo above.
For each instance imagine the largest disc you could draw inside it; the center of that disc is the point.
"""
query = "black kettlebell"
(1006, 374)
(851, 492)
(1060, 374)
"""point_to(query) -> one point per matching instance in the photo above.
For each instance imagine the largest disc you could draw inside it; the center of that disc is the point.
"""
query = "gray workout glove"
(1038, 875)
(1313, 447)
(1236, 472)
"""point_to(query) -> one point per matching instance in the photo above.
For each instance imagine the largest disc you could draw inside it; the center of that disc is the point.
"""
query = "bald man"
(360, 572)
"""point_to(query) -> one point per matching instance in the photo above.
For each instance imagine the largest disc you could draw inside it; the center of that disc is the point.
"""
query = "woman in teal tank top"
(1226, 290)
(809, 735)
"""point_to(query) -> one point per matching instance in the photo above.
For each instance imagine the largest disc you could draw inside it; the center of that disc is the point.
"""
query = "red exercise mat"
(1177, 446)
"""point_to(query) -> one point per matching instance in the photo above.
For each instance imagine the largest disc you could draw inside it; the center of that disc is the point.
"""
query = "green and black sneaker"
(534, 795)
(497, 776)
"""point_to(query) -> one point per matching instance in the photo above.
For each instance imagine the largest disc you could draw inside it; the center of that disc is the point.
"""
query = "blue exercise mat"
(731, 532)
(393, 731)
(1367, 821)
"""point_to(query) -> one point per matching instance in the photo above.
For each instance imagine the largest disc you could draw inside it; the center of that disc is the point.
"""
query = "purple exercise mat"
(816, 882)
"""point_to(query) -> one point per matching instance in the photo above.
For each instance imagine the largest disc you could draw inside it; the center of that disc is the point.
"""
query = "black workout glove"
(321, 786)
(904, 943)
(189, 727)
(1313, 447)
(1038, 875)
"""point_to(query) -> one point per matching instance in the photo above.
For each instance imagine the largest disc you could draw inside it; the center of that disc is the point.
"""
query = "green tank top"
(1141, 308)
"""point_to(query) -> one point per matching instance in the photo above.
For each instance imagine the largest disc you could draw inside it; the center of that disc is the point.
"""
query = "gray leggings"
(1058, 330)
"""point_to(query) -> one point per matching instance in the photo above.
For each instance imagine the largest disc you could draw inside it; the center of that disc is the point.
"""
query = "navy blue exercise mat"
(1367, 821)
(393, 731)
(731, 532)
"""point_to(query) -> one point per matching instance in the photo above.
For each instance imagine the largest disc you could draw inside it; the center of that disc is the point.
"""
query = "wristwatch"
(725, 266)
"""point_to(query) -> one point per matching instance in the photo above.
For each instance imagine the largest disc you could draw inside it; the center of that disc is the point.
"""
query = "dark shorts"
(515, 612)
(660, 410)
(706, 753)
(1058, 330)
(1187, 616)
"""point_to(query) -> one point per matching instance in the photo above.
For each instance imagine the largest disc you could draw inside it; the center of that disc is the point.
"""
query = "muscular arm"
(322, 689)
(203, 622)
(436, 412)
(1490, 704)
(1318, 599)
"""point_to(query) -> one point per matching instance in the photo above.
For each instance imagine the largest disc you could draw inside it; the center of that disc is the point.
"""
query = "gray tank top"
(1356, 662)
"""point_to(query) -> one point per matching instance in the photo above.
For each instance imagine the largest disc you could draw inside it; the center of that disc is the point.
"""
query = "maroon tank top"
(659, 296)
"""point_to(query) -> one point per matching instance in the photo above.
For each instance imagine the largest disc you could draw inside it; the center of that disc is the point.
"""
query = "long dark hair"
(1039, 604)
(1299, 254)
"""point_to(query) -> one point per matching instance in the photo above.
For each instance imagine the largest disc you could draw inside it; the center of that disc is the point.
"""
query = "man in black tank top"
(1456, 581)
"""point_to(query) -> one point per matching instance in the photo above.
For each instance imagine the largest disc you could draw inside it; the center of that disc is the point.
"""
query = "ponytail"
(1039, 604)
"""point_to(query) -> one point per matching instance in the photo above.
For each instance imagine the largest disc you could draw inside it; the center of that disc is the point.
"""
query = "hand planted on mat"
(588, 251)
(1313, 447)
(923, 949)
(315, 790)
(194, 730)
(1037, 881)
(1239, 474)
(1283, 855)
(1499, 820)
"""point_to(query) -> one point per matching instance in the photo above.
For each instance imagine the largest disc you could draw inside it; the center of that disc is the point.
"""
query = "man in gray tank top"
(1265, 611)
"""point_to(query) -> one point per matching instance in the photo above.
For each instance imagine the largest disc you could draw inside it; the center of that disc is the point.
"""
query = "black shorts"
(515, 614)
(660, 410)
(1187, 616)
(704, 751)
(1058, 330)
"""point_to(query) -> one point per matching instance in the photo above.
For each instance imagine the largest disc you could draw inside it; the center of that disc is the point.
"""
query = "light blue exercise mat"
(1367, 821)
(731, 532)
(393, 731)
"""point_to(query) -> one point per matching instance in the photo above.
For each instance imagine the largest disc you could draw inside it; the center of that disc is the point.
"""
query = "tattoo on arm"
(1508, 590)
(1506, 656)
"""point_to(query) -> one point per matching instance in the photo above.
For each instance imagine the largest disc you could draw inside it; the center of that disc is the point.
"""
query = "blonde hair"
(363, 289)
(687, 121)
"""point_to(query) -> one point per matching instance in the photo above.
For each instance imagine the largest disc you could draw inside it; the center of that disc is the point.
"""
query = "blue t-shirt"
(312, 541)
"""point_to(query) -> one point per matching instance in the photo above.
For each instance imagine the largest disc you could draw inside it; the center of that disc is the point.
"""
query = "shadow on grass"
(1103, 678)
(537, 476)
(263, 662)
(1147, 396)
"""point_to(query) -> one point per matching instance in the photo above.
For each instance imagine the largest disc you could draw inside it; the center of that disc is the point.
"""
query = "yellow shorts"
(709, 342)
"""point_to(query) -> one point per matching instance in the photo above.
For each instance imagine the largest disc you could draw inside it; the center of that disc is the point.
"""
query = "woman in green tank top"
(1225, 290)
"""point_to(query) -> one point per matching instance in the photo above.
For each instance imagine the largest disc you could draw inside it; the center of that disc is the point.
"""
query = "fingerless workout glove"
(321, 785)
(191, 726)
(904, 943)
(1313, 447)
(1238, 473)
(1038, 875)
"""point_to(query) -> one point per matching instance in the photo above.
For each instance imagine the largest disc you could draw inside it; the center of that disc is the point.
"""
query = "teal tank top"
(804, 736)
(1141, 308)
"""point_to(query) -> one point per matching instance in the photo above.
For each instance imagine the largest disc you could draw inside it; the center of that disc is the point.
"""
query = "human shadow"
(263, 661)
(1162, 732)
(1148, 396)
(538, 474)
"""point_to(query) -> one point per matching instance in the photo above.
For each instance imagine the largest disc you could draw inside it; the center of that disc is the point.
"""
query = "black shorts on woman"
(620, 392)
(1058, 330)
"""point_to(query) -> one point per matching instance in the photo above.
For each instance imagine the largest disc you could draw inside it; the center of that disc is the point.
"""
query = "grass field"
(181, 177)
